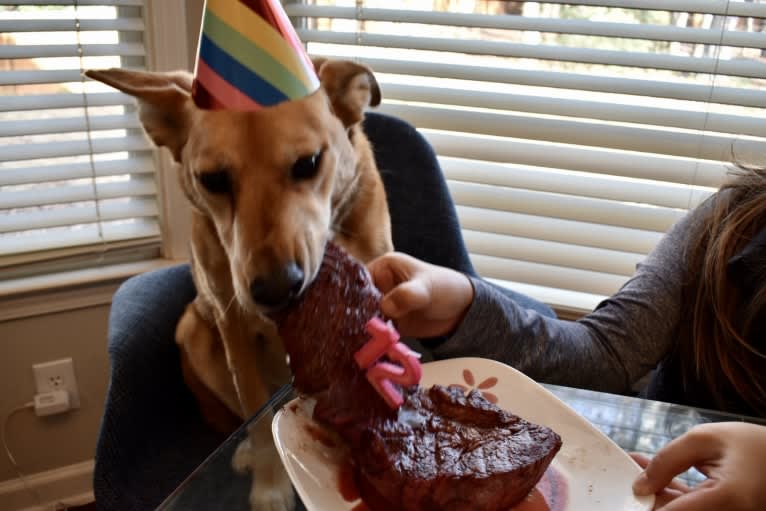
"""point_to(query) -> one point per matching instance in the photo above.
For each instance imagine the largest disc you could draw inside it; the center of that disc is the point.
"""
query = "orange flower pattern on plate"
(470, 383)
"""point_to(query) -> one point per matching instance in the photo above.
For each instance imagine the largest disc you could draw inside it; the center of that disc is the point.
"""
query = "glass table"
(635, 424)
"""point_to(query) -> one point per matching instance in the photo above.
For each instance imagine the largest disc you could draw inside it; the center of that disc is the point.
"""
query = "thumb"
(405, 298)
(382, 272)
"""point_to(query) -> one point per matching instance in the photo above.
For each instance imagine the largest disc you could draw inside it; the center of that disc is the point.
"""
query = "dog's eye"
(307, 167)
(217, 182)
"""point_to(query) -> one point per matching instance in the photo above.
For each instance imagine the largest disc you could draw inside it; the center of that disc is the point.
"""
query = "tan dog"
(268, 189)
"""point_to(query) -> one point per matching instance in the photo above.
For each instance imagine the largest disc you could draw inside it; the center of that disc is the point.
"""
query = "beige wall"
(49, 442)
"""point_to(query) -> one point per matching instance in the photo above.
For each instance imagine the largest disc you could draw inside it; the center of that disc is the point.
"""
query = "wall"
(41, 444)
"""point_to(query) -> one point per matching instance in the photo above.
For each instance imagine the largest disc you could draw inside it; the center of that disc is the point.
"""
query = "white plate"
(597, 474)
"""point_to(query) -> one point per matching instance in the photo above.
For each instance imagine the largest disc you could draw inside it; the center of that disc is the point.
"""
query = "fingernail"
(641, 485)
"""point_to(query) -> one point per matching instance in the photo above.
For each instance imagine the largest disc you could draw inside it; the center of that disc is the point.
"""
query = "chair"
(152, 435)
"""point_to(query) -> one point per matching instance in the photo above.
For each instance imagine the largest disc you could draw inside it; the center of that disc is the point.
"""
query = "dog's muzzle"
(276, 290)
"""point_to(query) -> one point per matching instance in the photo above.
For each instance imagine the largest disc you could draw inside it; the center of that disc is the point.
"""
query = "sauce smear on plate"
(321, 436)
(550, 494)
(534, 502)
(346, 483)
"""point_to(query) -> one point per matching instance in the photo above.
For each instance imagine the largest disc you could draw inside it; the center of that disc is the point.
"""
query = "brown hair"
(721, 324)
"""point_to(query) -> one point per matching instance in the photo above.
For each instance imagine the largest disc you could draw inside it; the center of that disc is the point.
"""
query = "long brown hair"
(722, 348)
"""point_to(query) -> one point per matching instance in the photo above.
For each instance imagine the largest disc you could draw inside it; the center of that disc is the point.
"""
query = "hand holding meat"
(423, 299)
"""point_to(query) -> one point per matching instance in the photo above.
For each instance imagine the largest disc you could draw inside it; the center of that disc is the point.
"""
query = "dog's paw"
(276, 498)
(271, 489)
(242, 461)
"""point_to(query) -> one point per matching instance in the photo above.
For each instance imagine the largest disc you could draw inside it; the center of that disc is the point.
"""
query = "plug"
(53, 402)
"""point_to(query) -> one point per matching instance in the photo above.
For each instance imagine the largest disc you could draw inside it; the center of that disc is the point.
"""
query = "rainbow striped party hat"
(249, 57)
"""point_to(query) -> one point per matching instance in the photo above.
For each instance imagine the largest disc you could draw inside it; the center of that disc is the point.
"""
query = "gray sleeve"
(609, 349)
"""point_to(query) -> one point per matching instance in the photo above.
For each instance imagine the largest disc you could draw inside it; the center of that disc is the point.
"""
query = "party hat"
(249, 57)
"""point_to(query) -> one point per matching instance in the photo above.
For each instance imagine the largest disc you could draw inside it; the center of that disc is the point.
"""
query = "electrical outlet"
(57, 375)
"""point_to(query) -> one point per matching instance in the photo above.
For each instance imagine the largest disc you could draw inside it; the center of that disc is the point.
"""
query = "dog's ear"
(164, 102)
(318, 61)
(351, 87)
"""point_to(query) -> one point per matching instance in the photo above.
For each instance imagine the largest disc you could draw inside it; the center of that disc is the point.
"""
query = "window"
(77, 183)
(573, 134)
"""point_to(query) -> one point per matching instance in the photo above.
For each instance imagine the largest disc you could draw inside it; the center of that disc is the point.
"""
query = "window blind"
(76, 172)
(572, 134)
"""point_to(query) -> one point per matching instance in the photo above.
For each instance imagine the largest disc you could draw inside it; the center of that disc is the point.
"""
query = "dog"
(268, 189)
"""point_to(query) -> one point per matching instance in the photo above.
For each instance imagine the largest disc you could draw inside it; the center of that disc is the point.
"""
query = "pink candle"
(383, 375)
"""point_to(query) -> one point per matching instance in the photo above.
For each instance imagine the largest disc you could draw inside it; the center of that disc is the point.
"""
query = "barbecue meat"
(441, 450)
(324, 329)
(447, 451)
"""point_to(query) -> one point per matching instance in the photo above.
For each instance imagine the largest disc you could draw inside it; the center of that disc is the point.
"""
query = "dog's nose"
(280, 287)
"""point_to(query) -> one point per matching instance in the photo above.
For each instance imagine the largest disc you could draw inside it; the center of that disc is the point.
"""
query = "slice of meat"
(324, 329)
(321, 333)
(447, 451)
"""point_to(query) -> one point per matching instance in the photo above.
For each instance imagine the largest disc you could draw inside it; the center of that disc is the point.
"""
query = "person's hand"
(730, 454)
(672, 491)
(424, 300)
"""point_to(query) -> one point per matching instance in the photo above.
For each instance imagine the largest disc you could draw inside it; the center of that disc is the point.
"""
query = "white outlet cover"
(47, 373)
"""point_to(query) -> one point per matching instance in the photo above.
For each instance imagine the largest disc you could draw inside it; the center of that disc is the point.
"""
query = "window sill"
(59, 292)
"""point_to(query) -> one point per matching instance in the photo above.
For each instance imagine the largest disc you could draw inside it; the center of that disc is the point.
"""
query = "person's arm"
(729, 454)
(609, 349)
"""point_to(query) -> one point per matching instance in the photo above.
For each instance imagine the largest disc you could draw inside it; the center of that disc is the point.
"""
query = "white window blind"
(572, 134)
(76, 172)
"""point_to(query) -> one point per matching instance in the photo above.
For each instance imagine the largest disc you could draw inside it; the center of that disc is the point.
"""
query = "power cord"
(9, 454)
